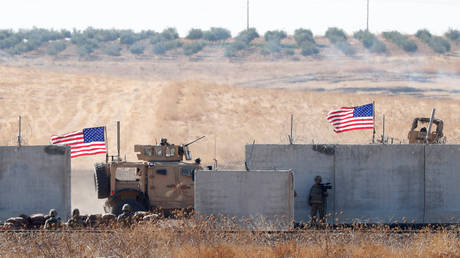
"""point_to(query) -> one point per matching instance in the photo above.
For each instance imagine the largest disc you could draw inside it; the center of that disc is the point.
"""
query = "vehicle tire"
(135, 206)
(101, 181)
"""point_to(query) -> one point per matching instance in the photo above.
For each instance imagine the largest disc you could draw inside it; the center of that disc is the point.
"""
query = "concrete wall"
(304, 162)
(266, 197)
(34, 179)
(442, 175)
(372, 183)
(378, 183)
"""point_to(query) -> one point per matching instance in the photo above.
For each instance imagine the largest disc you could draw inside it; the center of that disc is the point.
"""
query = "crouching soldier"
(52, 222)
(76, 221)
(316, 200)
(126, 215)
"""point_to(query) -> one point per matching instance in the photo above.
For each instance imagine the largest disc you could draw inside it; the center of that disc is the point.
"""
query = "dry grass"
(183, 238)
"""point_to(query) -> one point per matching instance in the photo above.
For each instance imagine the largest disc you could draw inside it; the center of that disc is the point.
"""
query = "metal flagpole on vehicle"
(373, 118)
(106, 145)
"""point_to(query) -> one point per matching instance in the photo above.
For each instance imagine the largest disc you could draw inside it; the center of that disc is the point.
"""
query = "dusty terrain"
(232, 102)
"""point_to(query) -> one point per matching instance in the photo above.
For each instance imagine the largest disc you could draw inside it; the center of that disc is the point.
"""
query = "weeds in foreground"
(192, 237)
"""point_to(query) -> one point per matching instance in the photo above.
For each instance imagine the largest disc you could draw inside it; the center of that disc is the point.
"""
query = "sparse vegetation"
(163, 46)
(169, 34)
(217, 34)
(55, 48)
(275, 42)
(306, 42)
(137, 48)
(195, 34)
(338, 37)
(187, 238)
(247, 36)
(401, 41)
(193, 47)
(113, 49)
(453, 35)
(370, 41)
(437, 44)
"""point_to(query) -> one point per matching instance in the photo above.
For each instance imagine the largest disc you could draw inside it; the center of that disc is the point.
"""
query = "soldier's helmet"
(53, 213)
(318, 178)
(126, 208)
(164, 140)
(75, 212)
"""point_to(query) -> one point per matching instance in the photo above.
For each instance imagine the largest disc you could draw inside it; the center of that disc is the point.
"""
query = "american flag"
(352, 118)
(89, 141)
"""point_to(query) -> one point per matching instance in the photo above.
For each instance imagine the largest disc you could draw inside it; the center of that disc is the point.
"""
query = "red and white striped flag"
(352, 118)
(89, 141)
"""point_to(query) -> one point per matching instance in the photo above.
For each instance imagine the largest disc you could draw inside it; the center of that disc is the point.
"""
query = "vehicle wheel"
(135, 206)
(101, 181)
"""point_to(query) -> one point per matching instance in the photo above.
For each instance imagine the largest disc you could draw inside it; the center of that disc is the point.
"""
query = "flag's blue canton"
(95, 134)
(363, 111)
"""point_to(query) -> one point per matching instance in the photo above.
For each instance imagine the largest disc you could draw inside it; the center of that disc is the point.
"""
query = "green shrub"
(10, 40)
(453, 35)
(336, 35)
(163, 46)
(265, 51)
(137, 48)
(437, 44)
(195, 34)
(303, 35)
(273, 46)
(275, 35)
(128, 37)
(370, 41)
(154, 39)
(424, 35)
(230, 51)
(193, 48)
(216, 34)
(308, 48)
(401, 41)
(22, 47)
(289, 52)
(85, 50)
(169, 34)
(113, 50)
(247, 35)
(56, 47)
(345, 47)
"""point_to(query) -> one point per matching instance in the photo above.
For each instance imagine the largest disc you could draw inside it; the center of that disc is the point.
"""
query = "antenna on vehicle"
(197, 139)
(291, 137)
(19, 132)
(247, 162)
(118, 140)
(430, 125)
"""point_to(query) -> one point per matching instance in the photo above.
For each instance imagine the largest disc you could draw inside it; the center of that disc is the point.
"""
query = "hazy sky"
(403, 15)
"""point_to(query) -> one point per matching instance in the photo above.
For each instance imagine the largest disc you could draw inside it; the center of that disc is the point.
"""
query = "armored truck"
(163, 178)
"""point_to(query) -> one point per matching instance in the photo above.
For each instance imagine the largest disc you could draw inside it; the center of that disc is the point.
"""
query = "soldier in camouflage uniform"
(76, 221)
(316, 200)
(126, 215)
(52, 222)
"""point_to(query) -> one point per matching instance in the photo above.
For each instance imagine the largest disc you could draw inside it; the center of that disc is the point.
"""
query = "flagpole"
(106, 145)
(373, 118)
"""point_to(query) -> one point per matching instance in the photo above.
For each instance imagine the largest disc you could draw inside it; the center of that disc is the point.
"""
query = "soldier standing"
(52, 222)
(125, 216)
(316, 200)
(76, 221)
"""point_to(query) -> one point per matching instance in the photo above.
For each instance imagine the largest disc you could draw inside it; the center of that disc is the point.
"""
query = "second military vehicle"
(161, 179)
(418, 131)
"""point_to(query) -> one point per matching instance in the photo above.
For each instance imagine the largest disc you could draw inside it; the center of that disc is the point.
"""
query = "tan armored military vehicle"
(161, 179)
(418, 131)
